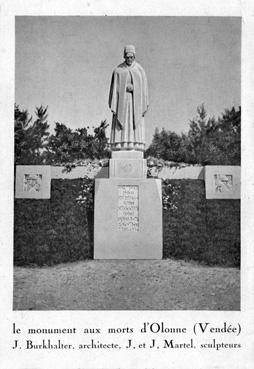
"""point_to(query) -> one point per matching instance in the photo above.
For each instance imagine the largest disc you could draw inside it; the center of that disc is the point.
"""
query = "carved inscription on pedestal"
(128, 212)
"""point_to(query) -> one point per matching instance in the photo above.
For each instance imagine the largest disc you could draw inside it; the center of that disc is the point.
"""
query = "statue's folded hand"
(129, 87)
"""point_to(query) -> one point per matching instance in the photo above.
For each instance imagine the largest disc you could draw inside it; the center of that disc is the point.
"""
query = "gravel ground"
(127, 285)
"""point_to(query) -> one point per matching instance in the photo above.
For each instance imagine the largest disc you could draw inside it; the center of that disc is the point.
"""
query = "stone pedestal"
(127, 164)
(128, 211)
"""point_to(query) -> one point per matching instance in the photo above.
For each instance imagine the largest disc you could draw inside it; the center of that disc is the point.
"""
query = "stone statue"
(128, 101)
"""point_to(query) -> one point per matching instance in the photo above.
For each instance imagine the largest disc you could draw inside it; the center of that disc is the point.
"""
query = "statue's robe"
(128, 108)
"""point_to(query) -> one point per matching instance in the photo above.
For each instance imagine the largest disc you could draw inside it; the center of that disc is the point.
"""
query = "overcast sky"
(67, 62)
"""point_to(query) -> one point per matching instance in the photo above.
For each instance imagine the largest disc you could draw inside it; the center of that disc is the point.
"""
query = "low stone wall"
(184, 172)
(90, 170)
(222, 182)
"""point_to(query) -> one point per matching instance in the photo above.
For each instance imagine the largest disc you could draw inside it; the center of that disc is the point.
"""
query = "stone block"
(33, 181)
(127, 168)
(223, 182)
(127, 154)
(128, 219)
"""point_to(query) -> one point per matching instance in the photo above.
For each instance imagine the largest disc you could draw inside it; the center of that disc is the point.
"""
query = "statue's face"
(129, 58)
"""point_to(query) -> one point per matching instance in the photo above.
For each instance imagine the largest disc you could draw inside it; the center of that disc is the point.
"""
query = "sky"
(66, 62)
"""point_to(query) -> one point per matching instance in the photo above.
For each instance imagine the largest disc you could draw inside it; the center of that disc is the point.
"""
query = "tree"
(66, 146)
(217, 142)
(208, 141)
(201, 141)
(34, 144)
(229, 136)
(166, 145)
(30, 137)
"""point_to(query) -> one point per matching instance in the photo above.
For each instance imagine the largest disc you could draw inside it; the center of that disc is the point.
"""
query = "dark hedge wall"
(204, 230)
(59, 230)
(52, 231)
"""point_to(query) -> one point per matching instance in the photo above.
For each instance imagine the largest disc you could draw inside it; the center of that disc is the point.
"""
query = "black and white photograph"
(138, 123)
(127, 184)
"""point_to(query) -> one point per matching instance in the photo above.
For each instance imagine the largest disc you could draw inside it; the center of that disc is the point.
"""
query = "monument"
(128, 205)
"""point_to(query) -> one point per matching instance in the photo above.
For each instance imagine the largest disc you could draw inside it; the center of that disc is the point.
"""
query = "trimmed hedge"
(60, 230)
(52, 231)
(198, 229)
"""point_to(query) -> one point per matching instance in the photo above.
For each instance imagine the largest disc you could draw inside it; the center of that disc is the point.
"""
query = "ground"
(127, 285)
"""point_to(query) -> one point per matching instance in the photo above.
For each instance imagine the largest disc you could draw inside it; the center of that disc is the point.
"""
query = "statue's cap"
(129, 49)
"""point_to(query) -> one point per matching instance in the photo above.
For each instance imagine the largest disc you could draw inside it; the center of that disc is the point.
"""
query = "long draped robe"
(128, 108)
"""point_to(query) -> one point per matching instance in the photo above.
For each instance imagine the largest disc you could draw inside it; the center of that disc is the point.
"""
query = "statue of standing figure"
(128, 101)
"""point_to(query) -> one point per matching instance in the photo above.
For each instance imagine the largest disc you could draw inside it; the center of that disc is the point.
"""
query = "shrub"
(195, 228)
(60, 230)
(52, 231)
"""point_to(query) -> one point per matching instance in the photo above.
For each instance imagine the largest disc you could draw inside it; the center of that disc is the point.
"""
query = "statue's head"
(129, 54)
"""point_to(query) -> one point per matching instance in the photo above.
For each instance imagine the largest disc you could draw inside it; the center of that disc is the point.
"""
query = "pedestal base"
(127, 164)
(128, 219)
